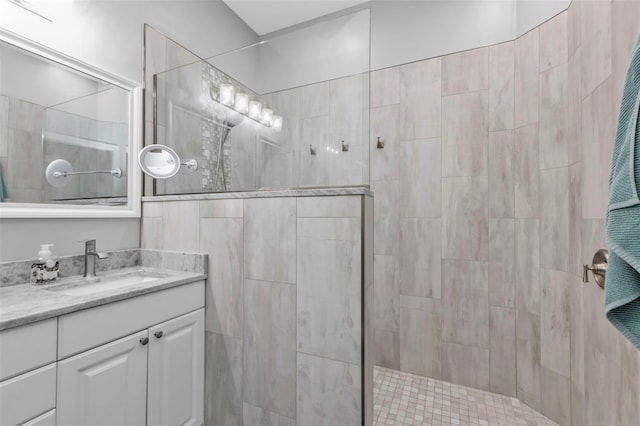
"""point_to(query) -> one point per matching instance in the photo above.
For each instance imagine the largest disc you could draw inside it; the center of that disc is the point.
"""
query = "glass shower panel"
(288, 112)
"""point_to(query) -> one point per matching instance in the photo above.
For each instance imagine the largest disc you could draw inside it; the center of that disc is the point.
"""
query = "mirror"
(66, 133)
(162, 162)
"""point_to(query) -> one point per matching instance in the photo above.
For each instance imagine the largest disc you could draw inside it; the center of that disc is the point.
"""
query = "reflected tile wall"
(420, 104)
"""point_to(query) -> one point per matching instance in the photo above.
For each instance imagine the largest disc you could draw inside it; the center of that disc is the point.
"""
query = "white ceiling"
(265, 16)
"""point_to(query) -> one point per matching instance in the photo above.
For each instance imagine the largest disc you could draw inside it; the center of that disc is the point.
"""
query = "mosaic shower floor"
(406, 399)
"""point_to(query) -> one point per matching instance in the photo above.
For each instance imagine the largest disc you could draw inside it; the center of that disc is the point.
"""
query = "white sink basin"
(101, 284)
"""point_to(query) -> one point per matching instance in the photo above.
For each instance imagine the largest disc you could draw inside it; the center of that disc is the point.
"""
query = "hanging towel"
(622, 286)
(3, 188)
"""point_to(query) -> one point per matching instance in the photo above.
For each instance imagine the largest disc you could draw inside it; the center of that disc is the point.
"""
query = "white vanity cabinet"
(135, 361)
(108, 385)
(176, 371)
(152, 376)
(27, 373)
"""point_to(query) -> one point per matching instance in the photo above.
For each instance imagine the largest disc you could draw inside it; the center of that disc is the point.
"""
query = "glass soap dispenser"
(46, 268)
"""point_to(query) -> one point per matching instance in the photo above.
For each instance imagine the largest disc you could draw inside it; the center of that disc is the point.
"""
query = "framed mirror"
(69, 136)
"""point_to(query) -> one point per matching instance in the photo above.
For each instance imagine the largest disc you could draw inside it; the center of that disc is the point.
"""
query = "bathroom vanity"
(84, 352)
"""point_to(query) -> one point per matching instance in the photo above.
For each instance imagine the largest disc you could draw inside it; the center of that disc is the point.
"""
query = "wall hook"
(345, 147)
(312, 150)
(380, 143)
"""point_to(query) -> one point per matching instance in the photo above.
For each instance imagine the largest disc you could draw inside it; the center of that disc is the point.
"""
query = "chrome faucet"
(90, 255)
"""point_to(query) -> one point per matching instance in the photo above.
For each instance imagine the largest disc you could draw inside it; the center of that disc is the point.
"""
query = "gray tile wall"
(490, 194)
(284, 304)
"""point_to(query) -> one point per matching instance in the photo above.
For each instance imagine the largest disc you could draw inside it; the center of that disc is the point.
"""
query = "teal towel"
(3, 188)
(622, 286)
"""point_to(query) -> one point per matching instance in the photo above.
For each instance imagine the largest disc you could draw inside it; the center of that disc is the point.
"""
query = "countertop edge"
(99, 301)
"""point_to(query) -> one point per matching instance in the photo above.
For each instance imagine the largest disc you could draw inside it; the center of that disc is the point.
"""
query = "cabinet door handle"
(144, 341)
(158, 334)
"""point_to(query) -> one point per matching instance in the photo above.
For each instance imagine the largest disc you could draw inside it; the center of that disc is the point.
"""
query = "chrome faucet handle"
(598, 268)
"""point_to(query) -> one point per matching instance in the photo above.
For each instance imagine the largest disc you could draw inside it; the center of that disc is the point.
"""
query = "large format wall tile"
(420, 336)
(596, 44)
(554, 110)
(554, 219)
(466, 110)
(270, 239)
(528, 265)
(387, 349)
(328, 392)
(270, 346)
(386, 311)
(420, 178)
(221, 208)
(555, 314)
(465, 296)
(528, 358)
(384, 162)
(526, 172)
(501, 174)
(387, 217)
(329, 288)
(464, 151)
(502, 262)
(221, 239)
(502, 343)
(223, 379)
(420, 99)
(180, 225)
(598, 134)
(465, 365)
(554, 42)
(420, 257)
(574, 118)
(556, 396)
(526, 79)
(253, 415)
(344, 206)
(501, 86)
(625, 27)
(465, 225)
(465, 71)
(385, 87)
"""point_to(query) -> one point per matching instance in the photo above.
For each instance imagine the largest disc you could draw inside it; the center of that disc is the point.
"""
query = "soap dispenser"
(46, 268)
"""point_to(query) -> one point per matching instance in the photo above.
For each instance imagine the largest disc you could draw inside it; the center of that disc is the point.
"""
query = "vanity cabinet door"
(176, 371)
(106, 385)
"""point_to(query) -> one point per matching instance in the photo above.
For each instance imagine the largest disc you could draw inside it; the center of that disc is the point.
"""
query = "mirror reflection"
(50, 112)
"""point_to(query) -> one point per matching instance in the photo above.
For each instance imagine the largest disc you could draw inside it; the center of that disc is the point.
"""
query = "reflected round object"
(159, 161)
(56, 173)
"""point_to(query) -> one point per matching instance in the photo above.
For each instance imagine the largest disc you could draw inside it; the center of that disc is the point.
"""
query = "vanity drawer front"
(93, 327)
(25, 397)
(27, 347)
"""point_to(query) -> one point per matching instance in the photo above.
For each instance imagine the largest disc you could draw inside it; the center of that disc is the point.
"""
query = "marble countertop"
(304, 192)
(27, 303)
